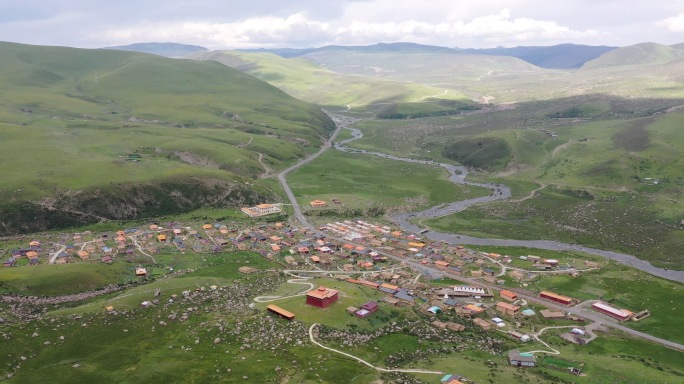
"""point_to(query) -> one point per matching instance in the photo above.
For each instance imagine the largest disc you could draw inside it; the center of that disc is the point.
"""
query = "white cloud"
(295, 29)
(673, 24)
(492, 28)
(239, 23)
(299, 30)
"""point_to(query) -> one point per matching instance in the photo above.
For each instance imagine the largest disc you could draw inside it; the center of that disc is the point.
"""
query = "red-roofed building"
(367, 309)
(618, 313)
(322, 297)
(280, 312)
(369, 283)
(555, 297)
(507, 308)
(508, 295)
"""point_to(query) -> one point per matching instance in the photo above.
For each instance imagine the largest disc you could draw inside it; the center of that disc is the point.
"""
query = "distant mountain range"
(173, 50)
(563, 56)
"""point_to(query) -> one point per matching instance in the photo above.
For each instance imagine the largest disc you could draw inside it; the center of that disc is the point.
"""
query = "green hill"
(69, 118)
(311, 82)
(561, 56)
(638, 54)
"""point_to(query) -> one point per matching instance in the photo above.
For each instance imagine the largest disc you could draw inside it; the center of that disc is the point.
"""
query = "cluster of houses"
(32, 253)
(105, 247)
(363, 248)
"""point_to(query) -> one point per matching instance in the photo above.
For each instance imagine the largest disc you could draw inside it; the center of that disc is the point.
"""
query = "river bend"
(457, 175)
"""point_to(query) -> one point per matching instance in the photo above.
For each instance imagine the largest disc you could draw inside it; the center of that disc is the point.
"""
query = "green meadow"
(52, 280)
(366, 181)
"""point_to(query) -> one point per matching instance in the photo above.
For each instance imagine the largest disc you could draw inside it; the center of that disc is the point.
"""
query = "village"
(453, 287)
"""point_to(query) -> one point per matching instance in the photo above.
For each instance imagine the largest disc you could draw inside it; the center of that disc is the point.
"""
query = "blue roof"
(451, 302)
(450, 377)
(404, 295)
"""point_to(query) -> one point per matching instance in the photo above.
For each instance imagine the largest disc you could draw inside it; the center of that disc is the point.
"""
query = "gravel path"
(364, 362)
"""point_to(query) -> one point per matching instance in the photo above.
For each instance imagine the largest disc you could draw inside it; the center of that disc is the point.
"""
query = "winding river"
(498, 192)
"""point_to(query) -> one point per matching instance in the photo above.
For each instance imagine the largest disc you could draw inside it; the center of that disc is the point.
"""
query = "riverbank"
(458, 175)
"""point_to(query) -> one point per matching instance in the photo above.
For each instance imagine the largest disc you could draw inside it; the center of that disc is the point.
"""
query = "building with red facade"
(555, 297)
(322, 297)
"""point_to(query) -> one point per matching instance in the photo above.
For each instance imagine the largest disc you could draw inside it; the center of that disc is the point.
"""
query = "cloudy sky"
(226, 24)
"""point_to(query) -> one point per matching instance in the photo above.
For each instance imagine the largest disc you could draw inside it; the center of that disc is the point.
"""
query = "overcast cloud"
(226, 24)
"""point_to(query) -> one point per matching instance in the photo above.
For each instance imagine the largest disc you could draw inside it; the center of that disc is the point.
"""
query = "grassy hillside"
(639, 54)
(70, 118)
(317, 84)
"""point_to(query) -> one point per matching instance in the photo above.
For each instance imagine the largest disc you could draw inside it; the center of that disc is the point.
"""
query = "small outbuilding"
(518, 359)
(280, 312)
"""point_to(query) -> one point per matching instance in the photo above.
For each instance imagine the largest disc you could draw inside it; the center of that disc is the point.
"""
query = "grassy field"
(363, 182)
(144, 352)
(53, 280)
